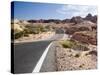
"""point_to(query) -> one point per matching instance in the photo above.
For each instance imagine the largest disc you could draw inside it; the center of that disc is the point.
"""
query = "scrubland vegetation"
(74, 45)
(29, 29)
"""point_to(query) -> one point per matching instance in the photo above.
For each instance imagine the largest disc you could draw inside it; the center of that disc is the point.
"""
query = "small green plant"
(74, 45)
(67, 44)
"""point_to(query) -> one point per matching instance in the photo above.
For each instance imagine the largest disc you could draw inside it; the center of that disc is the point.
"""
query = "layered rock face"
(85, 37)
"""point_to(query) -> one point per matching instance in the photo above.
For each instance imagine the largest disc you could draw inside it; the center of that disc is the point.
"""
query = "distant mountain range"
(76, 19)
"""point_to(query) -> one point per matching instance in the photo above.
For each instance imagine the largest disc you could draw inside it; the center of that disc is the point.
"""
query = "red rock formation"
(84, 38)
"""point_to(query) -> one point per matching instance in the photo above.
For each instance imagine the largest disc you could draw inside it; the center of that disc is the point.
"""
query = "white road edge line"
(40, 62)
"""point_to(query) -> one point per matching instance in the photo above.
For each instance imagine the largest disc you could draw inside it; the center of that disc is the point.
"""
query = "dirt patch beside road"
(70, 59)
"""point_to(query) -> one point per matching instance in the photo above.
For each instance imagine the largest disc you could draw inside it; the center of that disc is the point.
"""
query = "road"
(26, 55)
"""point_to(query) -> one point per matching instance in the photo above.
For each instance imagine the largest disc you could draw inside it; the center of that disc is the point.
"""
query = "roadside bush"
(26, 31)
(18, 35)
(31, 30)
(67, 44)
(49, 28)
(74, 45)
(35, 29)
(26, 35)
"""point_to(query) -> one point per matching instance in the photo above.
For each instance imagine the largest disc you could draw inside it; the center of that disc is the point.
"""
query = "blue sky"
(31, 10)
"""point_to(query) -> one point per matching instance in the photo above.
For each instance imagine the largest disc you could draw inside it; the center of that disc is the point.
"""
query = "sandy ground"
(69, 59)
(35, 37)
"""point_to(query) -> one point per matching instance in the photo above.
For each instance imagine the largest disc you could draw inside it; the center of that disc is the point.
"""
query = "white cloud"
(77, 10)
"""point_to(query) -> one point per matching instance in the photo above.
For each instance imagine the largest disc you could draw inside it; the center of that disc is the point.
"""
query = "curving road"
(26, 55)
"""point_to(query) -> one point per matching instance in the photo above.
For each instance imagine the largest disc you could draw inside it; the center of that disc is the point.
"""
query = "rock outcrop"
(76, 19)
(91, 18)
(85, 37)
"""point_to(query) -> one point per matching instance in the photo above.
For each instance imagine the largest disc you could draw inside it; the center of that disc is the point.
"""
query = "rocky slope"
(85, 37)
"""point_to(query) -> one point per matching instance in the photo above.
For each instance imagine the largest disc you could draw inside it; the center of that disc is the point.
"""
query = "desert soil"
(69, 59)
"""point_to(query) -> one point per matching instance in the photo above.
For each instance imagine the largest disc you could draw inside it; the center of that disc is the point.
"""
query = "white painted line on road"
(40, 62)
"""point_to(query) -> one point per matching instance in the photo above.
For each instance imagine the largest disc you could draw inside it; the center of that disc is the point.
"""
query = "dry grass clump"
(67, 44)
(74, 45)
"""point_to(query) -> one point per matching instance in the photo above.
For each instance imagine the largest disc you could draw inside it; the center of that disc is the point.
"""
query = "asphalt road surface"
(26, 55)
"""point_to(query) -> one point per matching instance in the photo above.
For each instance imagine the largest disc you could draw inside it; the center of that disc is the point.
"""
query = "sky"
(30, 10)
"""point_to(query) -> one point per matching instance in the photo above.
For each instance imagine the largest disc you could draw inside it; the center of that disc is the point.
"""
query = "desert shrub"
(43, 29)
(32, 30)
(74, 45)
(36, 29)
(26, 35)
(67, 44)
(18, 35)
(81, 66)
(77, 55)
(26, 30)
(28, 26)
(49, 27)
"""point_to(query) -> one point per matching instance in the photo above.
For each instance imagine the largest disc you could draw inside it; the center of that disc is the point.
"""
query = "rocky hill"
(85, 37)
(91, 18)
(75, 19)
